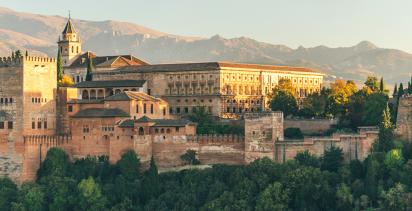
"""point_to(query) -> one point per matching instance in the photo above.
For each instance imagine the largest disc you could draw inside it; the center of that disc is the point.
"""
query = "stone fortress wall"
(263, 138)
(404, 118)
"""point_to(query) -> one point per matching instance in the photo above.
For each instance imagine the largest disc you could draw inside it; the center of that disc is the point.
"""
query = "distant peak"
(366, 45)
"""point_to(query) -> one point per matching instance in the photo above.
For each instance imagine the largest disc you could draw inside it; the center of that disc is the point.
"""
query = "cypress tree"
(385, 140)
(89, 73)
(395, 90)
(401, 91)
(27, 53)
(59, 66)
(382, 86)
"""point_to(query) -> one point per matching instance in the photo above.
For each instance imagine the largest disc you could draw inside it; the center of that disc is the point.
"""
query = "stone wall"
(404, 118)
(354, 146)
(310, 126)
(262, 130)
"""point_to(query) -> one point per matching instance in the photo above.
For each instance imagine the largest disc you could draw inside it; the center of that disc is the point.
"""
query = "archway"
(141, 131)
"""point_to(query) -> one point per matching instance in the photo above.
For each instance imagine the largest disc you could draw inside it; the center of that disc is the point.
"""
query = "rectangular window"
(70, 108)
(38, 125)
(144, 108)
(178, 110)
(85, 129)
(151, 108)
(177, 129)
(45, 124)
(186, 110)
(170, 110)
(164, 111)
(10, 125)
(33, 125)
(137, 108)
(149, 91)
(1, 125)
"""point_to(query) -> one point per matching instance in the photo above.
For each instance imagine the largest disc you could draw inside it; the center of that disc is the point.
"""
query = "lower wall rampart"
(354, 146)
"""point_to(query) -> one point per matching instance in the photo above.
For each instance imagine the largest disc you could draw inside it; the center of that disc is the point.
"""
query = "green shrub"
(293, 133)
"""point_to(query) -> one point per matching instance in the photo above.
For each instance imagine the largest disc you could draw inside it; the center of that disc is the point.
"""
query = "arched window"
(167, 130)
(117, 91)
(85, 94)
(93, 94)
(141, 131)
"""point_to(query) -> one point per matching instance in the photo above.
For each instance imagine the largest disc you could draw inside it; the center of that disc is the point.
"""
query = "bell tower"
(69, 43)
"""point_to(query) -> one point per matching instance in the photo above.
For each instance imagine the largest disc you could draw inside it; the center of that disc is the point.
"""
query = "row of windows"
(145, 108)
(9, 125)
(38, 100)
(243, 101)
(187, 76)
(39, 125)
(186, 110)
(6, 100)
(162, 130)
(107, 128)
(241, 110)
(194, 100)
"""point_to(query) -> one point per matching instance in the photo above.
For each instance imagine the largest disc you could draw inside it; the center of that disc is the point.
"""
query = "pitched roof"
(115, 61)
(132, 95)
(158, 122)
(69, 28)
(101, 112)
(110, 83)
(208, 66)
(85, 101)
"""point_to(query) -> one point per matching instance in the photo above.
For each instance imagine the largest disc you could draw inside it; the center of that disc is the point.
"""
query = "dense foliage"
(342, 100)
(383, 180)
(207, 124)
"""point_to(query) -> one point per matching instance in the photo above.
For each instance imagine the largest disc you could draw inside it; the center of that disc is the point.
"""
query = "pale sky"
(308, 23)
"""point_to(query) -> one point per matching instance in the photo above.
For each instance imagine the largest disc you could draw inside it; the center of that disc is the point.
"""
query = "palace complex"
(130, 104)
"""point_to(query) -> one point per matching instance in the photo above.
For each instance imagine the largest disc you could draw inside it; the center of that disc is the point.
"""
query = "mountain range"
(39, 33)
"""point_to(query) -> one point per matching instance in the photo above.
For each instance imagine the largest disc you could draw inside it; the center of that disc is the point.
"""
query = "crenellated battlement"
(18, 61)
(252, 115)
(47, 140)
(39, 59)
(10, 61)
(216, 138)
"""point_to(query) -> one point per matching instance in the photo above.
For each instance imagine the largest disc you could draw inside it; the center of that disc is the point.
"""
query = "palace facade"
(227, 90)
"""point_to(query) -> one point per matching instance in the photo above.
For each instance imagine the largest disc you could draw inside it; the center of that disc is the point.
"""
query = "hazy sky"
(292, 22)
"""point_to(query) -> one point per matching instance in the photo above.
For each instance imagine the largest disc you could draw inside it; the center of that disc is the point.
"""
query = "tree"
(371, 177)
(90, 196)
(339, 96)
(401, 90)
(56, 164)
(332, 159)
(397, 198)
(381, 85)
(274, 197)
(17, 54)
(190, 157)
(375, 103)
(27, 53)
(66, 81)
(306, 159)
(203, 119)
(314, 105)
(394, 159)
(90, 67)
(344, 198)
(386, 134)
(372, 83)
(286, 85)
(395, 90)
(59, 67)
(285, 102)
(8, 193)
(129, 165)
(31, 198)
